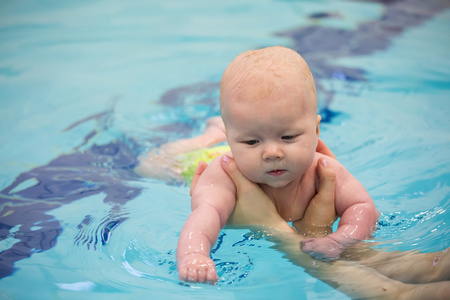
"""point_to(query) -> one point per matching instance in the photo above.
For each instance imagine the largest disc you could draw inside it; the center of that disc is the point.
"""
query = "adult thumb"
(327, 181)
(230, 167)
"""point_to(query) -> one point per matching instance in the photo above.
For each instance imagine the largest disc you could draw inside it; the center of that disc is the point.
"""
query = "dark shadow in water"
(101, 169)
(108, 168)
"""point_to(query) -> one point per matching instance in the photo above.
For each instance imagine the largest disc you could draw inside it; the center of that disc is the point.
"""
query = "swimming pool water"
(86, 86)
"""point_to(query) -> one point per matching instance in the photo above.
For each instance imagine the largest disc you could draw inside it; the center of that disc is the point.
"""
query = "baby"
(269, 108)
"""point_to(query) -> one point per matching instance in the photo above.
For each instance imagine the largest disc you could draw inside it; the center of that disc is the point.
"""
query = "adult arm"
(354, 280)
(254, 207)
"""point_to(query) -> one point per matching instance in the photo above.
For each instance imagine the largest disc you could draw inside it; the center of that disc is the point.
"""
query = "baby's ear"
(319, 118)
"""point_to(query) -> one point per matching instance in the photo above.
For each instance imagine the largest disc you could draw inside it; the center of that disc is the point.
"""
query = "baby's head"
(269, 106)
(274, 69)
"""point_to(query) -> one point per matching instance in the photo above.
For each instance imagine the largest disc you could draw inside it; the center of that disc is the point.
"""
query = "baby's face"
(273, 137)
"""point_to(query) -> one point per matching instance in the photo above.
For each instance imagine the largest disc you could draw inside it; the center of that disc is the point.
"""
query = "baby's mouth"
(276, 172)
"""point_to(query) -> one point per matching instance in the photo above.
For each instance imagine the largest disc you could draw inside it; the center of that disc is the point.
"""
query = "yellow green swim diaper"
(190, 160)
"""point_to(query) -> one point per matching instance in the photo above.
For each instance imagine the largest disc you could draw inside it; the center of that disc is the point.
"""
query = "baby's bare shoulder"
(215, 176)
(341, 173)
(338, 168)
(348, 190)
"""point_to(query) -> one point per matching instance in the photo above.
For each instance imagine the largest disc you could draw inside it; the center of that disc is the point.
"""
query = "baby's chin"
(275, 185)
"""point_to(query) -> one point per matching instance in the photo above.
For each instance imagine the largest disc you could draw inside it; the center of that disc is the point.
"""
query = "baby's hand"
(197, 267)
(322, 248)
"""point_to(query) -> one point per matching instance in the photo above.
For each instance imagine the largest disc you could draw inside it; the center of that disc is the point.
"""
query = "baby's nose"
(272, 151)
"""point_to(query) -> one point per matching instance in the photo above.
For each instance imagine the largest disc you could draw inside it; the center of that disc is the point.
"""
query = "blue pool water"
(87, 86)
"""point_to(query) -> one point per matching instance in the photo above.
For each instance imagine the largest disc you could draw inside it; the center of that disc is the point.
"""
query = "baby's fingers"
(183, 274)
(202, 275)
(196, 269)
(192, 275)
(211, 276)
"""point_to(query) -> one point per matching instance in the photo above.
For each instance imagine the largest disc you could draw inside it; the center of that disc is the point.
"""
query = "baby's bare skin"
(254, 208)
(269, 108)
(412, 271)
(373, 266)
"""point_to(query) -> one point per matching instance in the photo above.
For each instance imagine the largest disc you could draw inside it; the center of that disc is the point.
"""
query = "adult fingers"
(323, 148)
(327, 183)
(320, 213)
(230, 167)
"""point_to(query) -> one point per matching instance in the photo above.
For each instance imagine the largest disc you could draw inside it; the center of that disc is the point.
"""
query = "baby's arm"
(213, 200)
(357, 212)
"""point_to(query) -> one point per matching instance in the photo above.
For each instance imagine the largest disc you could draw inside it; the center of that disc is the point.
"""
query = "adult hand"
(320, 213)
(253, 206)
(322, 148)
(323, 248)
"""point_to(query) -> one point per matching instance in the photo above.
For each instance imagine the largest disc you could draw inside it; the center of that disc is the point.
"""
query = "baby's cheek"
(248, 169)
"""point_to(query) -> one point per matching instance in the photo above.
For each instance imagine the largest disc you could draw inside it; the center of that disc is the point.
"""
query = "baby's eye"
(288, 137)
(251, 142)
